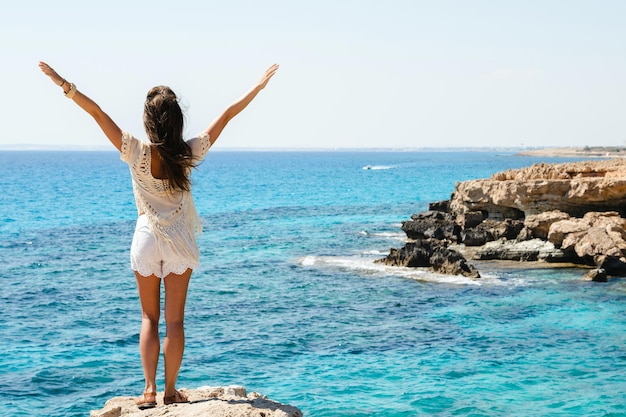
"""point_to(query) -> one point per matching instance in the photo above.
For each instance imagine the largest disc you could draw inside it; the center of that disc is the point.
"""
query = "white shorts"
(148, 256)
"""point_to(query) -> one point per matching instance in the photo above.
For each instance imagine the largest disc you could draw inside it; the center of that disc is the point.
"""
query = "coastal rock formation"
(597, 275)
(431, 253)
(431, 225)
(204, 401)
(575, 188)
(529, 250)
(567, 213)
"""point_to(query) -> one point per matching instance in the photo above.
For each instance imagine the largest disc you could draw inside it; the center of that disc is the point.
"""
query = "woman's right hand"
(54, 76)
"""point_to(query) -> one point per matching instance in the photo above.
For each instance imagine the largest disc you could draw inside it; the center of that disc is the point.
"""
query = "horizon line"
(108, 148)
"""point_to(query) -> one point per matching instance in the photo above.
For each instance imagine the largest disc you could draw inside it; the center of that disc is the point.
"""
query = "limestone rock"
(600, 234)
(597, 241)
(524, 234)
(431, 224)
(508, 229)
(567, 227)
(490, 230)
(412, 254)
(613, 265)
(539, 224)
(529, 250)
(204, 401)
(597, 275)
(449, 261)
(575, 188)
(431, 253)
(439, 206)
(470, 219)
(477, 236)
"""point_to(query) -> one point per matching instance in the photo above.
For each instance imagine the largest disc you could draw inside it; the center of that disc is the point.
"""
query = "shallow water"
(288, 301)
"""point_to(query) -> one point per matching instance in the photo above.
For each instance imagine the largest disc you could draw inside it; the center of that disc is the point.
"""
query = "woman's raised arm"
(108, 126)
(234, 109)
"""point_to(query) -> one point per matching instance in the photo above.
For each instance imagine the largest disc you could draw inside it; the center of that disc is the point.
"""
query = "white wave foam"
(378, 167)
(375, 252)
(363, 264)
(391, 235)
(308, 261)
(367, 266)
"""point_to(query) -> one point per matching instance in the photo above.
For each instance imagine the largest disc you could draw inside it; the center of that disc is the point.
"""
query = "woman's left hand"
(269, 73)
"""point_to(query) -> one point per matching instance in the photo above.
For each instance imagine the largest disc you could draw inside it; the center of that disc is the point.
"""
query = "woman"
(164, 243)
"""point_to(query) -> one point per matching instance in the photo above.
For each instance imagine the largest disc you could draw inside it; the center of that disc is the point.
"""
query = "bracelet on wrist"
(70, 93)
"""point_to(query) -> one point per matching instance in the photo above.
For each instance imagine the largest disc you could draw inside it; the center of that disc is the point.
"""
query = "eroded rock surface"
(575, 188)
(432, 253)
(204, 401)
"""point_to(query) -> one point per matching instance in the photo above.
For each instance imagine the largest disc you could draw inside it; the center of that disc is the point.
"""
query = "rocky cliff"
(574, 188)
(569, 212)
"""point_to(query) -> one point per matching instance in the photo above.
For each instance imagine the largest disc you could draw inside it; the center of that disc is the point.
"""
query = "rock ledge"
(229, 401)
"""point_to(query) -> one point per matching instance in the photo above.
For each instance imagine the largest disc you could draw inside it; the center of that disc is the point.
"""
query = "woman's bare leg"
(174, 343)
(149, 347)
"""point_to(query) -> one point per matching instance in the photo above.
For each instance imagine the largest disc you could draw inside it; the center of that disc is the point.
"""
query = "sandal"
(178, 397)
(147, 400)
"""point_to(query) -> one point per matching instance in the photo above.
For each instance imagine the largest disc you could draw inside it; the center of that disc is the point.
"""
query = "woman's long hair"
(164, 123)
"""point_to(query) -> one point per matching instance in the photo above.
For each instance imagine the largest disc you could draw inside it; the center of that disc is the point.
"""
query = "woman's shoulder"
(200, 145)
(199, 137)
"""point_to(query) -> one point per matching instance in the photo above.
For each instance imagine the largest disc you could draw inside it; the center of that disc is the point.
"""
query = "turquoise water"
(287, 300)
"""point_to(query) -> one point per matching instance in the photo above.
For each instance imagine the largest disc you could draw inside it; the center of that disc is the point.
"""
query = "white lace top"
(172, 215)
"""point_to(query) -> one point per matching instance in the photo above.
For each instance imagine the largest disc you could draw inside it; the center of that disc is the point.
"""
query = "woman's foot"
(147, 400)
(177, 397)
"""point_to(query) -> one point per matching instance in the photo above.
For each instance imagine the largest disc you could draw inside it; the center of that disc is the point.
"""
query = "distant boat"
(367, 167)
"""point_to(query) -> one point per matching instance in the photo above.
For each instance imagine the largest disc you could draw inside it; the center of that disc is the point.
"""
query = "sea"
(288, 300)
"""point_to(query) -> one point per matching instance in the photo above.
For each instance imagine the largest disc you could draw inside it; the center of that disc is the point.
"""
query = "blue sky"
(354, 74)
